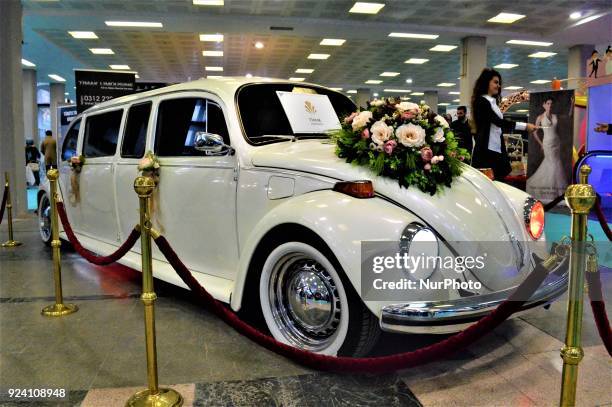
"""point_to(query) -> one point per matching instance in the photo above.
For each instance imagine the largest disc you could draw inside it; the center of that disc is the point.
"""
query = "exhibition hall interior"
(305, 203)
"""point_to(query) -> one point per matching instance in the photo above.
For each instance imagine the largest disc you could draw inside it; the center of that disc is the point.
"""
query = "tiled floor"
(98, 353)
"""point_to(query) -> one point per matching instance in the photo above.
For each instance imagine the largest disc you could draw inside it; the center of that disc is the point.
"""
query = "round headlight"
(533, 213)
(420, 244)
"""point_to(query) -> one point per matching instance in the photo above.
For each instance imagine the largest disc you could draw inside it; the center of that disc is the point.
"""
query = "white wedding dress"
(549, 181)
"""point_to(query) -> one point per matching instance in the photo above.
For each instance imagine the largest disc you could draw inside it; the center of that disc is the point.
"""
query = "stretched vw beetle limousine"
(254, 210)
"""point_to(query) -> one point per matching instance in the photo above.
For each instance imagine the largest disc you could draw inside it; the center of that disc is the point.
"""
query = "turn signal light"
(534, 218)
(357, 189)
(488, 172)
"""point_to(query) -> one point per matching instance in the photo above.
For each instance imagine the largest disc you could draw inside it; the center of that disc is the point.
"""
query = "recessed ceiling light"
(417, 94)
(444, 104)
(351, 91)
(214, 68)
(411, 35)
(212, 53)
(259, 45)
(505, 18)
(443, 48)
(25, 62)
(208, 2)
(390, 74)
(445, 84)
(294, 79)
(375, 95)
(214, 76)
(373, 81)
(575, 15)
(454, 93)
(416, 61)
(57, 78)
(513, 87)
(211, 37)
(542, 54)
(102, 51)
(409, 80)
(525, 42)
(120, 67)
(397, 90)
(304, 70)
(366, 8)
(540, 81)
(248, 75)
(149, 24)
(505, 66)
(336, 89)
(334, 42)
(456, 100)
(318, 56)
(83, 35)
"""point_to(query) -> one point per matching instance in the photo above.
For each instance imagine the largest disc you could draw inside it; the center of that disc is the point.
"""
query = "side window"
(69, 148)
(178, 121)
(135, 134)
(101, 133)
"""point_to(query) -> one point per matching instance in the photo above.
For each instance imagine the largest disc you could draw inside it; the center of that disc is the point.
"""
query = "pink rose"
(461, 158)
(390, 146)
(427, 167)
(408, 114)
(350, 118)
(426, 154)
(365, 134)
(381, 132)
(436, 159)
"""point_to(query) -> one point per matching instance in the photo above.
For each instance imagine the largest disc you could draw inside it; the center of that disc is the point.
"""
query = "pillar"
(431, 99)
(56, 95)
(473, 60)
(363, 95)
(12, 142)
(30, 106)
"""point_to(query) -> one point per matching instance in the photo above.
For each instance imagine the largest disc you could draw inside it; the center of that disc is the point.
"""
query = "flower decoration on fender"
(149, 166)
(76, 164)
(403, 141)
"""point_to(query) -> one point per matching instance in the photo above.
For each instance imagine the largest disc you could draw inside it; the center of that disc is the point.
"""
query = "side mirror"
(211, 144)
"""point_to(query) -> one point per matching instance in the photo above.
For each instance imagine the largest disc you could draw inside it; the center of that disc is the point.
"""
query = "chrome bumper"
(440, 317)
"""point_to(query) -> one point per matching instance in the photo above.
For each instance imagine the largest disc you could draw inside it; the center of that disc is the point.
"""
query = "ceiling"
(174, 53)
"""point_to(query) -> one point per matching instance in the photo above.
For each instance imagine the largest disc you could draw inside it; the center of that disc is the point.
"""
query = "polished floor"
(97, 354)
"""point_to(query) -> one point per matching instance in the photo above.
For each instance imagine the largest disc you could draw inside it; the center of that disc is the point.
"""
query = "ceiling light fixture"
(318, 56)
(373, 81)
(505, 18)
(409, 80)
(259, 45)
(540, 81)
(83, 35)
(505, 66)
(332, 42)
(211, 37)
(214, 68)
(411, 35)
(443, 48)
(304, 70)
(444, 104)
(542, 54)
(454, 93)
(417, 94)
(25, 62)
(102, 51)
(147, 24)
(351, 91)
(513, 87)
(416, 61)
(57, 78)
(208, 2)
(389, 74)
(297, 79)
(366, 8)
(120, 67)
(445, 84)
(212, 53)
(525, 42)
(456, 100)
(375, 94)
(397, 90)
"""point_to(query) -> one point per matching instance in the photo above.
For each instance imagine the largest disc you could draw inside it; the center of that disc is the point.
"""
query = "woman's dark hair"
(594, 52)
(481, 87)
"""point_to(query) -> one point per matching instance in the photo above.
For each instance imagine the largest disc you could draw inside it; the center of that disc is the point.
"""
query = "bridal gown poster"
(549, 164)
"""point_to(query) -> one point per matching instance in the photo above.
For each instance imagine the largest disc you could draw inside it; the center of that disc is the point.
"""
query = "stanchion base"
(58, 310)
(11, 243)
(164, 398)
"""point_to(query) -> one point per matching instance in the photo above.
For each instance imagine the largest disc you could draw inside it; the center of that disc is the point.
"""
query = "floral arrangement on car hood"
(76, 164)
(404, 141)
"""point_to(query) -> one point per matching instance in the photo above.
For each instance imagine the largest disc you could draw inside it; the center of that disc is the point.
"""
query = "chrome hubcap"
(44, 219)
(304, 301)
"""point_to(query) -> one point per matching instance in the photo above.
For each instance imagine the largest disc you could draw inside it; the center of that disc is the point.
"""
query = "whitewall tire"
(44, 219)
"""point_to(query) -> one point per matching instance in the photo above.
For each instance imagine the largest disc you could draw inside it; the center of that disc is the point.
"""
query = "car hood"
(472, 210)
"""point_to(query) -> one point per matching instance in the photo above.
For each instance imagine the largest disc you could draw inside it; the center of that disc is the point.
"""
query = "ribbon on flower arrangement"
(149, 166)
(76, 164)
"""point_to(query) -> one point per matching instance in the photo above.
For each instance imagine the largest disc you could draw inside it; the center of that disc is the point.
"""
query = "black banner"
(93, 87)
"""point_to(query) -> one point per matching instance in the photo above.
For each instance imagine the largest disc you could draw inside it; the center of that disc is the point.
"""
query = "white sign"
(308, 113)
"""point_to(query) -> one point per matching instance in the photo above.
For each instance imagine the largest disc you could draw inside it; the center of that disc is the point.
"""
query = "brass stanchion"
(153, 396)
(59, 308)
(580, 198)
(9, 213)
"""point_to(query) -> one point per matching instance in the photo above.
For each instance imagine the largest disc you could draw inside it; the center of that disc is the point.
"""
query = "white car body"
(215, 210)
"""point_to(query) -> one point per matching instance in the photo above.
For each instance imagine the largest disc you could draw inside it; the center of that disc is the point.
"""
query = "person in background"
(490, 149)
(32, 155)
(49, 149)
(447, 117)
(461, 129)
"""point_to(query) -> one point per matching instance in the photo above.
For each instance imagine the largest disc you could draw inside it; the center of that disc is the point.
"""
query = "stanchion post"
(59, 308)
(580, 198)
(9, 213)
(153, 396)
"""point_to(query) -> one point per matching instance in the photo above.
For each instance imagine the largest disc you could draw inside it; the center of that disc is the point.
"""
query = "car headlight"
(533, 214)
(420, 243)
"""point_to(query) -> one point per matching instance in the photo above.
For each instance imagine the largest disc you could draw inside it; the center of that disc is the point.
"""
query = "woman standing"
(490, 150)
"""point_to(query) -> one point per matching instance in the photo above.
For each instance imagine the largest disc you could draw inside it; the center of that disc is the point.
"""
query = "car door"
(196, 201)
(97, 183)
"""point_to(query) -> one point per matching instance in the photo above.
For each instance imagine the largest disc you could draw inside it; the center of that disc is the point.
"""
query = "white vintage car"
(267, 219)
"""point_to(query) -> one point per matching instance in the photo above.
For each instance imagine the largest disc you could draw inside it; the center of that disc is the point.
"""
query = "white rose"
(377, 102)
(439, 136)
(410, 135)
(361, 119)
(441, 121)
(380, 132)
(402, 107)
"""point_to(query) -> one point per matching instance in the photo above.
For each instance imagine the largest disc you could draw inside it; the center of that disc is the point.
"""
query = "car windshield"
(263, 118)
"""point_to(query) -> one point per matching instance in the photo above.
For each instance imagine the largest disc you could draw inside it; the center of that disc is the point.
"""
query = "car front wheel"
(307, 302)
(44, 219)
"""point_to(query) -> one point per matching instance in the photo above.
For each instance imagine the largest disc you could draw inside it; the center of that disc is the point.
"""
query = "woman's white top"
(495, 131)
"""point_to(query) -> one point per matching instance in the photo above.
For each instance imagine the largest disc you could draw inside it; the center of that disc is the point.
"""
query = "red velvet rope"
(380, 364)
(599, 310)
(92, 257)
(4, 198)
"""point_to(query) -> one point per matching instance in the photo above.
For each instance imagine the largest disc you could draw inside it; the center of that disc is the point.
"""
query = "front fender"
(341, 221)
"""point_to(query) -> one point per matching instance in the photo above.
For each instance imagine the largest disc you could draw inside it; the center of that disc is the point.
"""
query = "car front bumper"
(448, 316)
